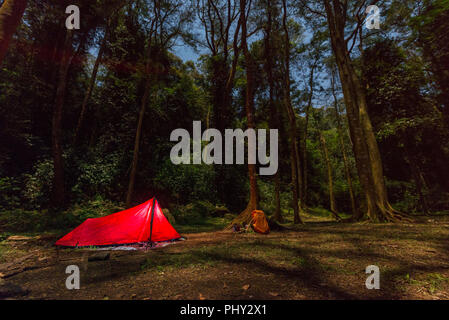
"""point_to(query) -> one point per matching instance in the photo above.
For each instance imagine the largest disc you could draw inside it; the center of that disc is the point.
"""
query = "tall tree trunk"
(355, 213)
(224, 75)
(274, 116)
(245, 215)
(132, 176)
(249, 103)
(90, 88)
(221, 115)
(330, 179)
(366, 151)
(58, 187)
(294, 153)
(11, 13)
(304, 140)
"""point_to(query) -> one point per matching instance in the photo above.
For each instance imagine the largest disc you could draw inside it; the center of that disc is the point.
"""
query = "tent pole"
(151, 223)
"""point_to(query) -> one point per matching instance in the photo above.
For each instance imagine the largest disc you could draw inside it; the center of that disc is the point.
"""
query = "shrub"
(9, 192)
(96, 176)
(37, 185)
(193, 213)
(20, 220)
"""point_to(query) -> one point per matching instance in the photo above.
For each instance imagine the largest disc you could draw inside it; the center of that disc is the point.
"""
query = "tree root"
(243, 218)
(389, 214)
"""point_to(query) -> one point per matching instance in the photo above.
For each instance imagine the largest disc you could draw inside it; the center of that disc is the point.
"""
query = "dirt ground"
(316, 261)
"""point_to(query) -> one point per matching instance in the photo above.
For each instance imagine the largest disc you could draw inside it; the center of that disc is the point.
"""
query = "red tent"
(144, 223)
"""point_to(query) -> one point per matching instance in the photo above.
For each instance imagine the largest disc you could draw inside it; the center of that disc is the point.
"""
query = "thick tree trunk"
(366, 151)
(245, 216)
(132, 176)
(90, 88)
(11, 13)
(58, 187)
(294, 152)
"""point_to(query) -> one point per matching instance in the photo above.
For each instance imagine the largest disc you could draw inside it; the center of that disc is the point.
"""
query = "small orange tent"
(259, 222)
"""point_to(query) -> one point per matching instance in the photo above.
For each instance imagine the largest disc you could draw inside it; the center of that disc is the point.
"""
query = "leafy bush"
(9, 191)
(403, 196)
(96, 176)
(37, 185)
(193, 213)
(20, 220)
(98, 207)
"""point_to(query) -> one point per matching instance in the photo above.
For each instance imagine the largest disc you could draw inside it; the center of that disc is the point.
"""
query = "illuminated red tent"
(144, 223)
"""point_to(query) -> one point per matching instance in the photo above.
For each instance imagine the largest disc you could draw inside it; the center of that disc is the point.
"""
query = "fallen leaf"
(202, 297)
(245, 287)
(224, 285)
(274, 294)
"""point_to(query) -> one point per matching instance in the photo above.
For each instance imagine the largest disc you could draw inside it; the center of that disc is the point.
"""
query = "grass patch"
(432, 281)
(161, 262)
(209, 224)
(258, 251)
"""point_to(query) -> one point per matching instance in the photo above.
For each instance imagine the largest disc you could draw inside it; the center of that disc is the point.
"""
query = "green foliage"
(193, 213)
(9, 190)
(37, 185)
(403, 196)
(20, 220)
(187, 182)
(97, 176)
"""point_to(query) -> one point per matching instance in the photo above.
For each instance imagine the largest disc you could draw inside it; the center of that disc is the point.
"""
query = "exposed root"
(243, 218)
(389, 214)
(397, 217)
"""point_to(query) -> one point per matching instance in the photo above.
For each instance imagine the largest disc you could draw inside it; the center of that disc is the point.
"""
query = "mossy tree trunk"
(366, 150)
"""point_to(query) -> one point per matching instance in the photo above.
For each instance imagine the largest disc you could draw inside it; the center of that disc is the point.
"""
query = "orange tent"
(259, 222)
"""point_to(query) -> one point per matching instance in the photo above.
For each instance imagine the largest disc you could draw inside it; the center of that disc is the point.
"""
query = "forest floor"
(319, 260)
